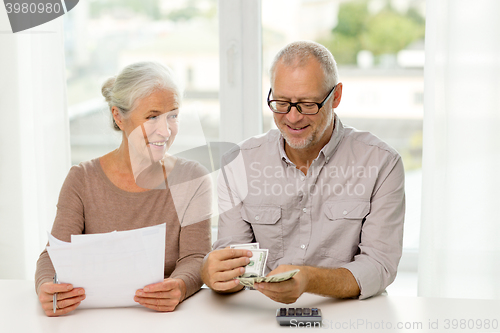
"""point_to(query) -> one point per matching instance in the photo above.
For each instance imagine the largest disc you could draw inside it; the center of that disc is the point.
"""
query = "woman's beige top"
(90, 203)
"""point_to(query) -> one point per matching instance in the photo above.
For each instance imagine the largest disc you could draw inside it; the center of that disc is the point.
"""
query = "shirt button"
(304, 210)
(302, 246)
(344, 212)
(257, 218)
(302, 178)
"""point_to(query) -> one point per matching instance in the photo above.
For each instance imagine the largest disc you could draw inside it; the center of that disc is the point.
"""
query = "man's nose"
(294, 115)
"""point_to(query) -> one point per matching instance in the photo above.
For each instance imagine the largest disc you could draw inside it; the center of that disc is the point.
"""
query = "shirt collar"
(327, 151)
(281, 148)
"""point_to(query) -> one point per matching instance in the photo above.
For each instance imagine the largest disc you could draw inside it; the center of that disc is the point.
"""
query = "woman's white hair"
(297, 54)
(135, 82)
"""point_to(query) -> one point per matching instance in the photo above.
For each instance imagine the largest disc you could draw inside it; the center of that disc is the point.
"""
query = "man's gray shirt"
(348, 211)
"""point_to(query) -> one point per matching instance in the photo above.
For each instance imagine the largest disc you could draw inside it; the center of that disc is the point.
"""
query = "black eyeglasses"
(309, 108)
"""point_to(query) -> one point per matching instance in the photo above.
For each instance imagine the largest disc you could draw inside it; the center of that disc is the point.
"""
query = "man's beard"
(312, 139)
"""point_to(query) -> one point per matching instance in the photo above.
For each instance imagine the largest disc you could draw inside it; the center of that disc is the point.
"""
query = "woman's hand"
(68, 298)
(163, 296)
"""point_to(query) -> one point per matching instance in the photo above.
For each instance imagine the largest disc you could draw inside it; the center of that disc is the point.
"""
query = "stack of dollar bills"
(254, 271)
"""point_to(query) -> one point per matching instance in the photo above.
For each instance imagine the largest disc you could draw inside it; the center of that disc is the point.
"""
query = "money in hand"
(249, 281)
(254, 271)
(249, 246)
(257, 263)
(258, 260)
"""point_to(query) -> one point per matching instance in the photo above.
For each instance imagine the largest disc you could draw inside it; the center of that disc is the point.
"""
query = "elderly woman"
(128, 189)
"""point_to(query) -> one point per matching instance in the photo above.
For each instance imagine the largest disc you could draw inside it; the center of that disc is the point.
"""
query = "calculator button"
(299, 316)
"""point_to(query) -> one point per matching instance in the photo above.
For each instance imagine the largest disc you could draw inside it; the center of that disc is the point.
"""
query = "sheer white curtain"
(34, 141)
(460, 235)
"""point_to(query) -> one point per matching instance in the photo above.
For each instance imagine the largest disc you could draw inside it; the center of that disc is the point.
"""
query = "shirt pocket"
(267, 228)
(341, 230)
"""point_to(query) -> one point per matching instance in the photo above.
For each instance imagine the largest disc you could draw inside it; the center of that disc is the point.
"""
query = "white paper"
(110, 266)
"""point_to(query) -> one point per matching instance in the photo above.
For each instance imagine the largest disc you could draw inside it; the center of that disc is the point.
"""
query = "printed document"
(110, 266)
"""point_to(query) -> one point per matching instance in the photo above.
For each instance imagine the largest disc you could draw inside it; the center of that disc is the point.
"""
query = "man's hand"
(68, 298)
(333, 282)
(287, 291)
(163, 296)
(222, 266)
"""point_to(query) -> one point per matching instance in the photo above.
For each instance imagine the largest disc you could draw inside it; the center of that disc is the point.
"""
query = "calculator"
(299, 317)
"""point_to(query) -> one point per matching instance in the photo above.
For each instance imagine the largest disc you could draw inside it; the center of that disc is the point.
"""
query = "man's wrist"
(204, 271)
(334, 282)
(307, 271)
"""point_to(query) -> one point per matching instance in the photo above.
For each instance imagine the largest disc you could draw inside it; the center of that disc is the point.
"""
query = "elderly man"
(322, 197)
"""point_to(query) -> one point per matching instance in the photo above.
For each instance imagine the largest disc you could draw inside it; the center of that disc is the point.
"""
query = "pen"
(54, 297)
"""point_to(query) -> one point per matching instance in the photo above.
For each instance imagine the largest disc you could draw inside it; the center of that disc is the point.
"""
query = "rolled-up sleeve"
(381, 239)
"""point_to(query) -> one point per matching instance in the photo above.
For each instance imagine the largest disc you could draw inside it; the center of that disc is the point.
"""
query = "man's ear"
(337, 95)
(117, 116)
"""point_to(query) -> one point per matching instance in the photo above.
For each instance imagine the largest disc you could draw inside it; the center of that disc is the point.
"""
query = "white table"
(246, 311)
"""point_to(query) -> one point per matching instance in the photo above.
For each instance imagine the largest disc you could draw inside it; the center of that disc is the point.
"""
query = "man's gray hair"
(298, 53)
(135, 82)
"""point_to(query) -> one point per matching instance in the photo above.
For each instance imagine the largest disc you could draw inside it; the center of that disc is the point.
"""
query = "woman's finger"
(62, 311)
(51, 288)
(48, 298)
(160, 308)
(69, 302)
(157, 301)
(176, 293)
(70, 294)
(166, 285)
(61, 304)
(48, 289)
